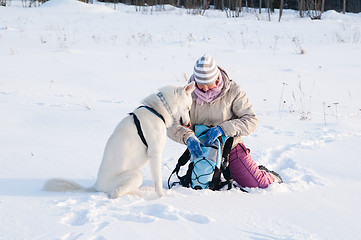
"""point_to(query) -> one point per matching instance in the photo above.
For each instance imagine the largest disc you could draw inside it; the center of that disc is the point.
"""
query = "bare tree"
(234, 8)
(268, 5)
(301, 7)
(344, 7)
(32, 3)
(196, 6)
(314, 9)
(323, 6)
(281, 9)
(3, 3)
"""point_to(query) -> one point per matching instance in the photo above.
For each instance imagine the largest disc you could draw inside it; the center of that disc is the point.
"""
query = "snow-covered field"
(69, 72)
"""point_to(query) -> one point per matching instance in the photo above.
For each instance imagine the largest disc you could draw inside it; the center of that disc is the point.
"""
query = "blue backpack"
(205, 172)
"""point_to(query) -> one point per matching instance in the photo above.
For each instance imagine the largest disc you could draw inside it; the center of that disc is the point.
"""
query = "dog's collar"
(165, 104)
(153, 111)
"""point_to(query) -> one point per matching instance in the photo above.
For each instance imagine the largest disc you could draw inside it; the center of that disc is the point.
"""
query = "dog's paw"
(115, 194)
(160, 192)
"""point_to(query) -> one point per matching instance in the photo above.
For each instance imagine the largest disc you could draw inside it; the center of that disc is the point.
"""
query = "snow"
(70, 72)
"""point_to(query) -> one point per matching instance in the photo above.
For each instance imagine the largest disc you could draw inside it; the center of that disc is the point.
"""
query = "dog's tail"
(63, 185)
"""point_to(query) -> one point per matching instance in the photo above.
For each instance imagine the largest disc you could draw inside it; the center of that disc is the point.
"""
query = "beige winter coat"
(231, 110)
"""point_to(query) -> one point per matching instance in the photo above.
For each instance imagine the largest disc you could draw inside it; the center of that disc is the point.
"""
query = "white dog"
(130, 146)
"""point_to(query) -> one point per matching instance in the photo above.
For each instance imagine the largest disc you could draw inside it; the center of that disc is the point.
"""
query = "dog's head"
(177, 102)
(184, 104)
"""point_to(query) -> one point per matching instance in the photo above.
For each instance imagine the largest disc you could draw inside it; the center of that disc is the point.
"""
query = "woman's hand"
(194, 146)
(212, 134)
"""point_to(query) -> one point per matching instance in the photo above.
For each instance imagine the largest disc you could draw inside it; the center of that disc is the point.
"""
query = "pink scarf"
(210, 95)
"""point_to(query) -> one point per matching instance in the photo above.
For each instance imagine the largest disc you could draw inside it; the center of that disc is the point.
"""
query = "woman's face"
(205, 88)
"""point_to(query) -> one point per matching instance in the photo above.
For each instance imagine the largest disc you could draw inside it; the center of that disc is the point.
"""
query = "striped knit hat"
(205, 70)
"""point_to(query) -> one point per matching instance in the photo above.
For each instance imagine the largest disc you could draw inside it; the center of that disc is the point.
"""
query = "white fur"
(125, 154)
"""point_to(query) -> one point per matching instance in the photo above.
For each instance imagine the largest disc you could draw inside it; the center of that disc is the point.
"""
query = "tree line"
(312, 8)
(303, 5)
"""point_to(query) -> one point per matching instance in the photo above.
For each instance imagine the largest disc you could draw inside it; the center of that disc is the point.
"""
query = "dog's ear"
(189, 88)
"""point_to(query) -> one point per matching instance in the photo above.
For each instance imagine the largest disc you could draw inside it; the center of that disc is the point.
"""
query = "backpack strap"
(184, 180)
(225, 163)
(216, 183)
(225, 166)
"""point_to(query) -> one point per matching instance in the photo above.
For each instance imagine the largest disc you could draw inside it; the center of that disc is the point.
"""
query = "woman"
(220, 103)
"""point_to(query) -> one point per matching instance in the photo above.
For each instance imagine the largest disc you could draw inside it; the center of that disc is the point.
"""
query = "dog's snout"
(185, 124)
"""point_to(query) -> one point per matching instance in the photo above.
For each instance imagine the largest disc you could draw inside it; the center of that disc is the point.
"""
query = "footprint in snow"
(72, 236)
(151, 213)
(100, 226)
(134, 217)
(196, 218)
(97, 238)
(76, 218)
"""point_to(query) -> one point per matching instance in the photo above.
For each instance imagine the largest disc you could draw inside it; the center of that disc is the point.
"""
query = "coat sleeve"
(179, 133)
(244, 121)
